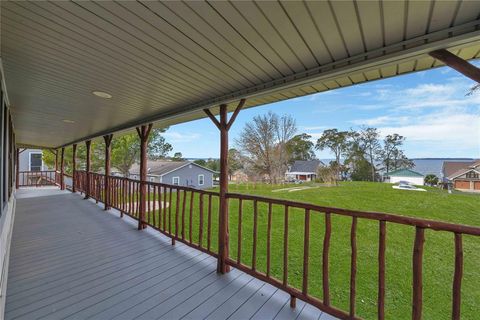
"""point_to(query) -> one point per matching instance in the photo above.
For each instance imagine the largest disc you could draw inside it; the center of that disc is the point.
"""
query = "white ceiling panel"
(166, 61)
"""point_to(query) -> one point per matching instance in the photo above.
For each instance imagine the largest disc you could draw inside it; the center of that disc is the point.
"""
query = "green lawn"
(438, 259)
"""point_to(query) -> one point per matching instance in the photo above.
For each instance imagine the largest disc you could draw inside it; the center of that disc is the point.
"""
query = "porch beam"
(223, 234)
(106, 193)
(88, 144)
(457, 63)
(143, 134)
(62, 169)
(74, 166)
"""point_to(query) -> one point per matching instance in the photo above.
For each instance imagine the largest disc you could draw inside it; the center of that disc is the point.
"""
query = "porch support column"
(457, 63)
(106, 193)
(224, 126)
(74, 166)
(143, 133)
(17, 169)
(56, 164)
(88, 143)
(62, 169)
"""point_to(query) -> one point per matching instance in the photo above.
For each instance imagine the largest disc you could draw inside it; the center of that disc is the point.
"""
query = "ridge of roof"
(408, 172)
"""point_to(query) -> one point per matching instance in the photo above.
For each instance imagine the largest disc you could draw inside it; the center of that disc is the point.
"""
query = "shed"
(407, 175)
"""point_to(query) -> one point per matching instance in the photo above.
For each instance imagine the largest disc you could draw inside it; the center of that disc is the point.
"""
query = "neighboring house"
(31, 160)
(463, 176)
(407, 175)
(182, 173)
(303, 170)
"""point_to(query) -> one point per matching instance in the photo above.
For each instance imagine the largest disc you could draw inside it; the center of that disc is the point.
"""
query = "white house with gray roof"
(181, 173)
(303, 170)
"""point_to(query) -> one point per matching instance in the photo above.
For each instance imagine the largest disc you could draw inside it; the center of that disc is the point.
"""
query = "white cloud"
(174, 136)
(314, 128)
(449, 129)
(381, 120)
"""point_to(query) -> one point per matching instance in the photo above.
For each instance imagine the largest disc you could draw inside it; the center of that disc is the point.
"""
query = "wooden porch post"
(224, 125)
(62, 169)
(88, 143)
(74, 166)
(106, 193)
(143, 133)
(56, 164)
(17, 169)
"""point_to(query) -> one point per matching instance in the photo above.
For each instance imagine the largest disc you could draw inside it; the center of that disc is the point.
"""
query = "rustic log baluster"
(457, 278)
(326, 249)
(239, 247)
(255, 227)
(381, 270)
(417, 299)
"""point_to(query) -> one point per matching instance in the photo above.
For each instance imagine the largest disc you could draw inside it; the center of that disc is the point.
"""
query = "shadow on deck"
(70, 259)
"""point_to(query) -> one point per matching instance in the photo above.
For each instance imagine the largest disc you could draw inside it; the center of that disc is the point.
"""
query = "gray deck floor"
(70, 259)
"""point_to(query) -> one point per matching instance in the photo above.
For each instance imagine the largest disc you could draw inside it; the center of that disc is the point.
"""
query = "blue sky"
(430, 108)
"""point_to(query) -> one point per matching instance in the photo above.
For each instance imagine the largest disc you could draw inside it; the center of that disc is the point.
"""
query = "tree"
(126, 149)
(400, 161)
(300, 147)
(361, 171)
(431, 180)
(264, 142)
(177, 156)
(158, 147)
(391, 148)
(336, 141)
(328, 174)
(234, 161)
(96, 163)
(200, 162)
(124, 153)
(369, 139)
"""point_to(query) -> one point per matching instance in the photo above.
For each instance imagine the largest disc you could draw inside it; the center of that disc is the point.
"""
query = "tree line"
(125, 151)
(265, 148)
(270, 143)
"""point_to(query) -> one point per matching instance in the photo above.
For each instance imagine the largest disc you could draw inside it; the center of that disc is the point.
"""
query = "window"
(472, 175)
(176, 181)
(152, 179)
(35, 162)
(201, 179)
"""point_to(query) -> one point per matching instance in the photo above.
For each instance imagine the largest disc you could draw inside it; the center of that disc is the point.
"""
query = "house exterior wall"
(419, 181)
(188, 177)
(24, 159)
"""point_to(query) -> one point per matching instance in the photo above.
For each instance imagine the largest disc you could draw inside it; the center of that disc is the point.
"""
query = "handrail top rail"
(371, 215)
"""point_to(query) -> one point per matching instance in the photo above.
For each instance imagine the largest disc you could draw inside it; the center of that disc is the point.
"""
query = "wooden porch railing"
(190, 216)
(38, 178)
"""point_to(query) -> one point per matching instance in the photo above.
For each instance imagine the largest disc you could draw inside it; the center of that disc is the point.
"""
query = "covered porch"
(72, 260)
(78, 71)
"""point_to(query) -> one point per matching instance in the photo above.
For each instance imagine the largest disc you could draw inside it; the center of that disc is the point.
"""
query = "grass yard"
(438, 255)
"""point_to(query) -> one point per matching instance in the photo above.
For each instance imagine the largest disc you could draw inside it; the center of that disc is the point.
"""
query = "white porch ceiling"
(166, 61)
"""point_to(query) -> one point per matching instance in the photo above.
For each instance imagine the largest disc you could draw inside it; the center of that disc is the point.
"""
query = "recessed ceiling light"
(102, 94)
(68, 121)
